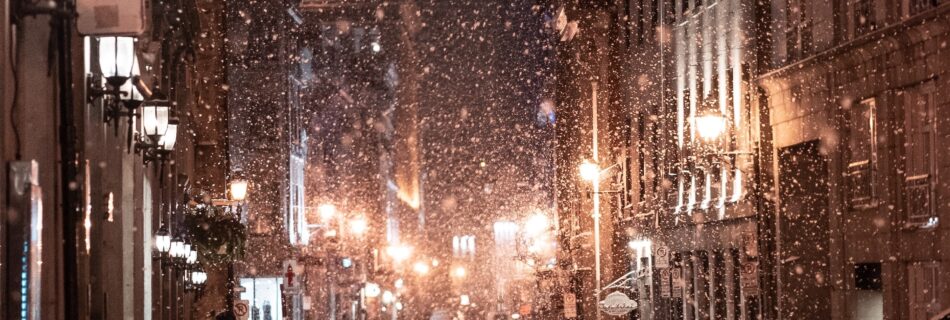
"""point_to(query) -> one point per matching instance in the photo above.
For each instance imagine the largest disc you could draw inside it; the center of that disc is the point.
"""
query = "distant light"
(327, 211)
(238, 189)
(710, 126)
(398, 305)
(358, 226)
(537, 224)
(515, 316)
(589, 171)
(347, 262)
(388, 297)
(399, 283)
(459, 272)
(435, 262)
(464, 300)
(420, 268)
(376, 47)
(639, 244)
(371, 290)
(399, 253)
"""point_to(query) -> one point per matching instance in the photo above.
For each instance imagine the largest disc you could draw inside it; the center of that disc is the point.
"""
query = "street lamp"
(710, 124)
(327, 211)
(421, 268)
(238, 189)
(199, 277)
(177, 248)
(162, 241)
(192, 258)
(358, 226)
(167, 142)
(399, 253)
(459, 272)
(117, 64)
(156, 115)
(589, 171)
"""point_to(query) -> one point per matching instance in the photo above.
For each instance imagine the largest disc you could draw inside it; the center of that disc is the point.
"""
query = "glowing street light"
(589, 171)
(327, 211)
(537, 224)
(399, 253)
(459, 272)
(238, 188)
(710, 125)
(421, 268)
(358, 226)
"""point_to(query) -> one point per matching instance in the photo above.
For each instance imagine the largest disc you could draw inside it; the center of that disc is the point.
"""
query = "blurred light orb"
(371, 290)
(537, 224)
(420, 268)
(388, 297)
(710, 126)
(327, 211)
(358, 226)
(399, 253)
(589, 171)
(459, 272)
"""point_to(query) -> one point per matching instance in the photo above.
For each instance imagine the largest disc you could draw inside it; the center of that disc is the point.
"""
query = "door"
(802, 245)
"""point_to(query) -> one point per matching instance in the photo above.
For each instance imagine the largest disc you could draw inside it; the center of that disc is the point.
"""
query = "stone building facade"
(820, 197)
(858, 91)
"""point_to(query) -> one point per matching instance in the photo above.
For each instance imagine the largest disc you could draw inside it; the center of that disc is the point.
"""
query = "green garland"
(217, 234)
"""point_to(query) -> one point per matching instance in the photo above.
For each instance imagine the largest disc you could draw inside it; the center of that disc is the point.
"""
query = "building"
(92, 193)
(780, 155)
(855, 102)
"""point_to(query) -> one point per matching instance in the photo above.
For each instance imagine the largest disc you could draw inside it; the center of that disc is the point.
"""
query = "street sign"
(749, 278)
(570, 305)
(242, 309)
(665, 283)
(676, 279)
(661, 257)
(617, 304)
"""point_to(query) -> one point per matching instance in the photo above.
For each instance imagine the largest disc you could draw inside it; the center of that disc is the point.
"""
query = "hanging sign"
(617, 304)
(661, 257)
(570, 305)
(676, 275)
(665, 283)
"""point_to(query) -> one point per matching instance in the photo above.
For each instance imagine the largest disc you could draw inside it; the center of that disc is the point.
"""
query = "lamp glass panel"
(162, 242)
(155, 119)
(238, 190)
(107, 55)
(167, 142)
(117, 56)
(192, 256)
(176, 248)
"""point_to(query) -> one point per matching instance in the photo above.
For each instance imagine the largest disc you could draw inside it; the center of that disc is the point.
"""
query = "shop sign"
(617, 304)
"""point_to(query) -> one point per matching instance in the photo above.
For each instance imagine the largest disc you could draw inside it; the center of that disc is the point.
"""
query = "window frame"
(863, 166)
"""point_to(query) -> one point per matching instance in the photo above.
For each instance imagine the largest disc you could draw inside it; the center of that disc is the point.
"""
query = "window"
(463, 246)
(863, 147)
(918, 154)
(923, 284)
(917, 6)
(863, 17)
